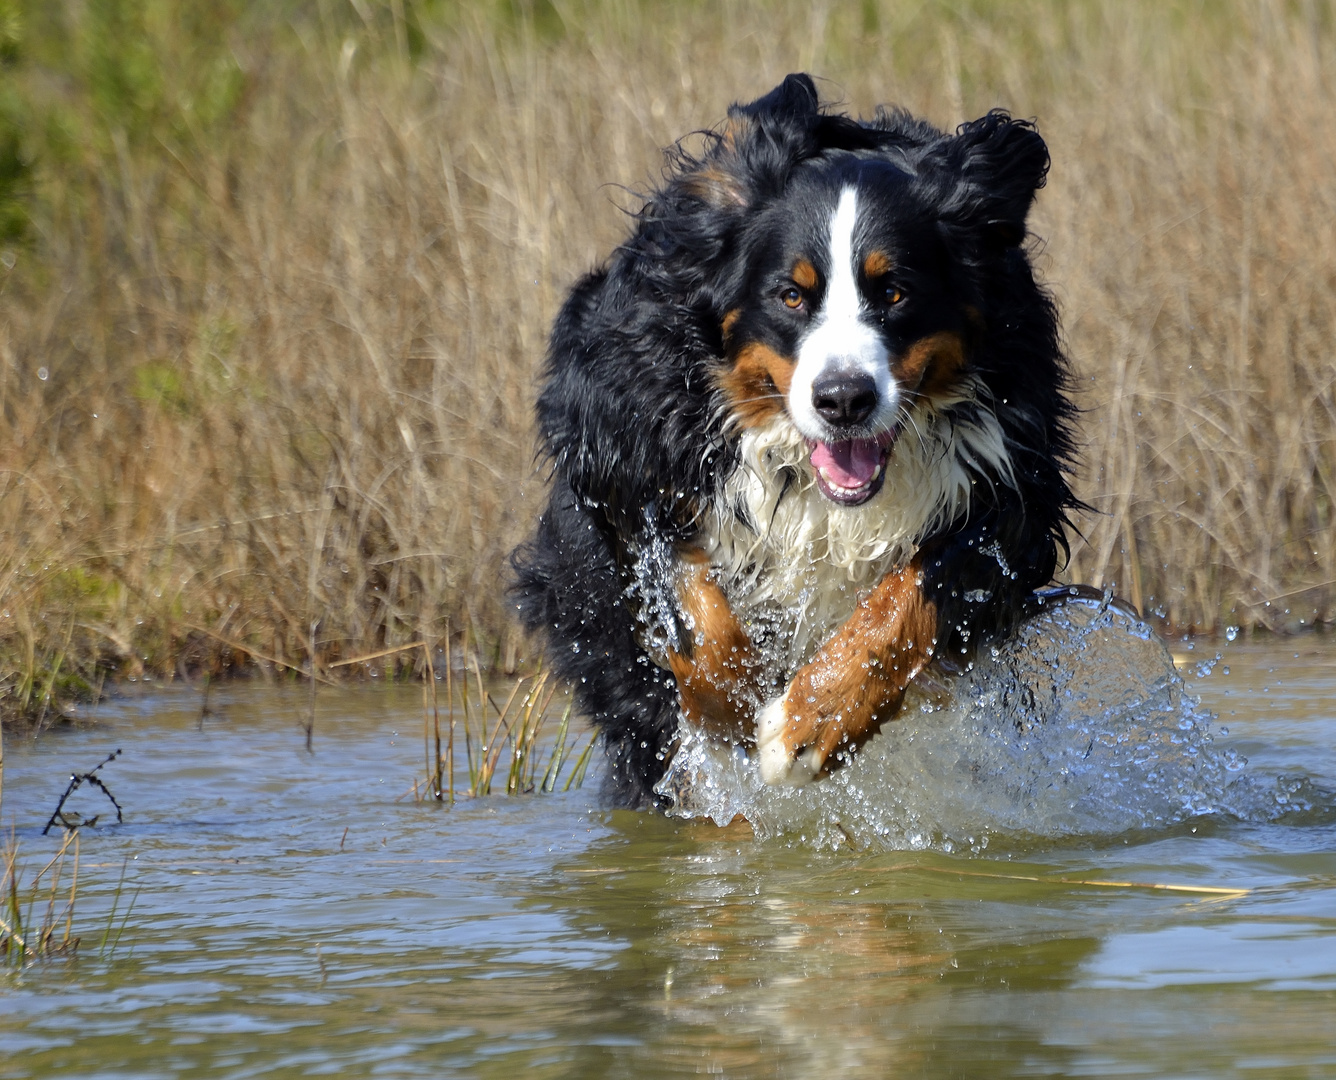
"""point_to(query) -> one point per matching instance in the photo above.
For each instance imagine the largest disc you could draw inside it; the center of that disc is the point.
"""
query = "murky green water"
(297, 915)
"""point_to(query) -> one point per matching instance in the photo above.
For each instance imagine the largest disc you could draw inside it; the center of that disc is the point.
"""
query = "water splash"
(1077, 726)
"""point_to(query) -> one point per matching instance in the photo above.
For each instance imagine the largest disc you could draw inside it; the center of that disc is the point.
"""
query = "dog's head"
(856, 278)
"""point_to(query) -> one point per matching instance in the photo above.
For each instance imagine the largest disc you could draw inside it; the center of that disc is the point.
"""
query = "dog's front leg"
(855, 681)
(717, 673)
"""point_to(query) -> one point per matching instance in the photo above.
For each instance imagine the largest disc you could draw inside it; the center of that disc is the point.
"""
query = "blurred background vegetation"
(275, 280)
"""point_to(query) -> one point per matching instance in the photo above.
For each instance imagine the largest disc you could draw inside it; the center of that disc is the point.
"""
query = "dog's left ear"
(995, 166)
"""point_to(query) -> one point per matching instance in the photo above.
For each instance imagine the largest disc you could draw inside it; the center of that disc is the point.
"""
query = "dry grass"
(269, 337)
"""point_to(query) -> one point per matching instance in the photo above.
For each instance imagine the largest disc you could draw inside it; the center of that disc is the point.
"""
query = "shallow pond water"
(300, 914)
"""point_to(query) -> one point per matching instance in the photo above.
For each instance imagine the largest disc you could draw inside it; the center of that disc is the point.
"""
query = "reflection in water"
(742, 956)
(744, 959)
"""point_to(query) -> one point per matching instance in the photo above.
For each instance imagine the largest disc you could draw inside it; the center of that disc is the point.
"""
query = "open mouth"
(851, 471)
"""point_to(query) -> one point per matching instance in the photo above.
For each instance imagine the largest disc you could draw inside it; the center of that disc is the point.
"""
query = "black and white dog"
(808, 432)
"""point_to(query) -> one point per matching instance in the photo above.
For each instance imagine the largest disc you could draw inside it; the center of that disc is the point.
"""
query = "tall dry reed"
(272, 312)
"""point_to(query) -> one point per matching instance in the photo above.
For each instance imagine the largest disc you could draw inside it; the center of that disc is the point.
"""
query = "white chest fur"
(793, 563)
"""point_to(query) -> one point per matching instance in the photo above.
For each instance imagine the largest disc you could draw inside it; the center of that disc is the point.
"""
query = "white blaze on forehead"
(842, 338)
(843, 302)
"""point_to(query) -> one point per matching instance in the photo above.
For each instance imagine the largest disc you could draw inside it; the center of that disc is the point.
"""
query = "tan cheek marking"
(876, 264)
(804, 275)
(931, 364)
(756, 384)
(858, 678)
(717, 683)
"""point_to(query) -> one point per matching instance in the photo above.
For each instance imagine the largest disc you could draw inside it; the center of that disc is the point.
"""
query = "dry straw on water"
(275, 281)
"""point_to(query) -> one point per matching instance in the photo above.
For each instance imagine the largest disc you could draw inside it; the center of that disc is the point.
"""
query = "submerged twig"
(76, 781)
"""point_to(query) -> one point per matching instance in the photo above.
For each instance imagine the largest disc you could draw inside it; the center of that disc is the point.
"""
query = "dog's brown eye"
(893, 295)
(792, 297)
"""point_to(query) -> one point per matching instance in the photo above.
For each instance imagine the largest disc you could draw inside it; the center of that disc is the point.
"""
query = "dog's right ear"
(761, 142)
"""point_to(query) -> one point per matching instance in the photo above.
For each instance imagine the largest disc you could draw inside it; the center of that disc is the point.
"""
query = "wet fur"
(668, 451)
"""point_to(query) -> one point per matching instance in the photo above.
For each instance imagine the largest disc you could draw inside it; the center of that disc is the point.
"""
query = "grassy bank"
(275, 281)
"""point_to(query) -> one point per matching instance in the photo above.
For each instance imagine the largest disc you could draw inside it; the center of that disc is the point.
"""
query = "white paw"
(777, 766)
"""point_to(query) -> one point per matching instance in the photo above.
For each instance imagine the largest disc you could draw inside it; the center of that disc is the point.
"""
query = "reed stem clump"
(36, 919)
(514, 730)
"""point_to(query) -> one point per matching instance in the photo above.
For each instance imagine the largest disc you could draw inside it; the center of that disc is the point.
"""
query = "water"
(299, 914)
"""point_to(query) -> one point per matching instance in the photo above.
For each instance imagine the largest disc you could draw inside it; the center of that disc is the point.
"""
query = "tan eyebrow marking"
(876, 264)
(804, 274)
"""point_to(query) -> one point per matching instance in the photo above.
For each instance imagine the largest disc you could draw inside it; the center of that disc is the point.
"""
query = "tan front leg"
(717, 681)
(854, 683)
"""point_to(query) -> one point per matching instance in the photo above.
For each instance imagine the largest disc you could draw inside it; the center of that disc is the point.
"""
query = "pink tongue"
(850, 464)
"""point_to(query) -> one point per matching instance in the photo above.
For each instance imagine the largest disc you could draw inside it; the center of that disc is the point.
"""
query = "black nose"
(845, 398)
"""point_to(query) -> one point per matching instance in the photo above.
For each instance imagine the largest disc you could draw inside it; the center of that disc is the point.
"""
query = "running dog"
(808, 431)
